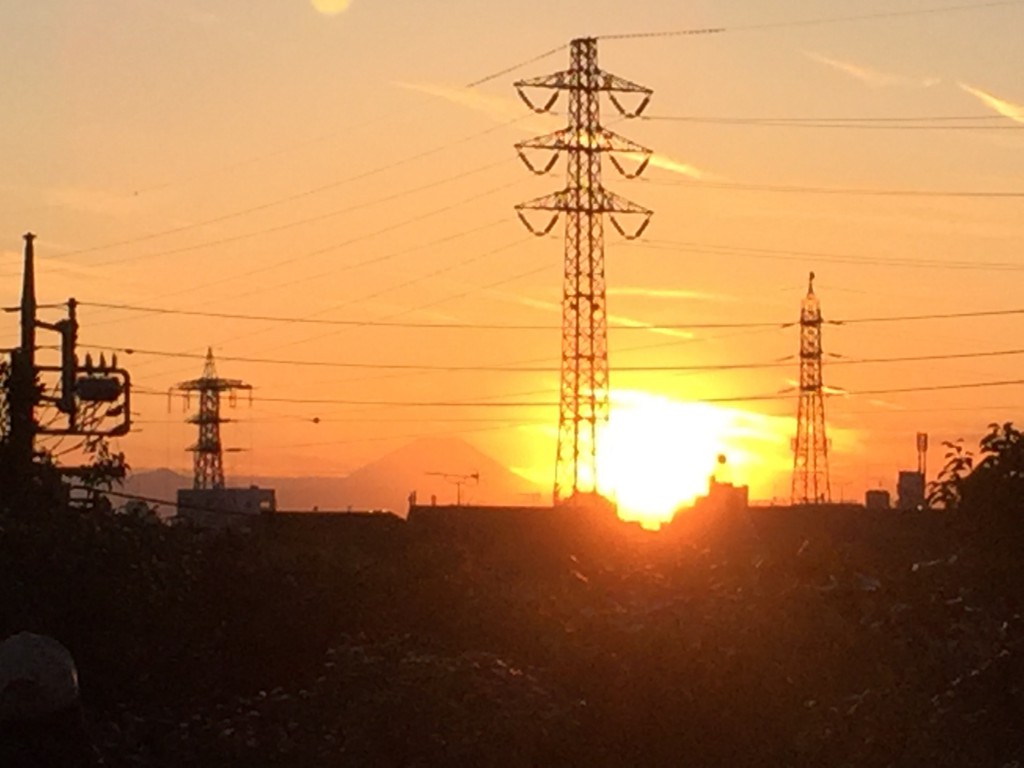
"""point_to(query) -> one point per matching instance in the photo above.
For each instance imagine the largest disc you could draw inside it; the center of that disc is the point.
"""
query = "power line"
(531, 327)
(672, 33)
(310, 141)
(852, 191)
(541, 360)
(352, 241)
(309, 219)
(928, 358)
(872, 124)
(875, 16)
(406, 366)
(974, 409)
(285, 320)
(289, 148)
(294, 196)
(452, 297)
(387, 403)
(296, 419)
(939, 387)
(418, 246)
(514, 67)
(60, 305)
(832, 258)
(812, 21)
(824, 119)
(553, 403)
(549, 369)
(413, 281)
(933, 316)
(353, 126)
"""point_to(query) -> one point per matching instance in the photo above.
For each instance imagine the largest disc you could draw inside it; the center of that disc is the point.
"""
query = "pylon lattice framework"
(810, 454)
(208, 452)
(583, 402)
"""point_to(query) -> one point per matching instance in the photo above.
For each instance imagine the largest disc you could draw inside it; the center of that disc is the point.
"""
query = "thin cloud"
(666, 293)
(1005, 108)
(676, 334)
(550, 306)
(497, 108)
(872, 77)
(675, 166)
(886, 405)
(503, 110)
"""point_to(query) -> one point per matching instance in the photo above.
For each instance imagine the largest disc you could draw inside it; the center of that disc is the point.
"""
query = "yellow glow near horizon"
(331, 7)
(656, 454)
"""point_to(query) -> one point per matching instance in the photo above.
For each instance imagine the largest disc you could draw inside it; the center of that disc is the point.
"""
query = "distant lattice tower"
(810, 449)
(208, 453)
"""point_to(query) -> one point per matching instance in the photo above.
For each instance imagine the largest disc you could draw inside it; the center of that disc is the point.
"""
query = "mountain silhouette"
(382, 484)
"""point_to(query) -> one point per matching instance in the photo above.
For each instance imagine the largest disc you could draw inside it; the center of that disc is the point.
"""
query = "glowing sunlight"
(656, 454)
(331, 7)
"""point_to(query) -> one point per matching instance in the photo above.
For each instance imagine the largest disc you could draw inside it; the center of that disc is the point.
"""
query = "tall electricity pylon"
(208, 453)
(810, 453)
(583, 404)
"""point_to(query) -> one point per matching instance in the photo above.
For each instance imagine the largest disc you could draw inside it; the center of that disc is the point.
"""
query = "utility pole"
(810, 454)
(208, 453)
(83, 390)
(22, 389)
(583, 402)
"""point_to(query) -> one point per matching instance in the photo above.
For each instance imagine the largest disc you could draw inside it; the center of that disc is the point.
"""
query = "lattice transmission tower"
(208, 452)
(583, 402)
(810, 451)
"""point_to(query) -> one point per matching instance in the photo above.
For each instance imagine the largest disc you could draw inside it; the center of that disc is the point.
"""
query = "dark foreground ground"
(797, 639)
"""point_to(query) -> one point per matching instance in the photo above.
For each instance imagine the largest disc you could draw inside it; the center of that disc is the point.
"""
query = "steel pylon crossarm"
(601, 202)
(598, 81)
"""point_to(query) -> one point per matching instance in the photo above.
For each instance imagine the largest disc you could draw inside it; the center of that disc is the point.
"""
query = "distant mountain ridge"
(385, 483)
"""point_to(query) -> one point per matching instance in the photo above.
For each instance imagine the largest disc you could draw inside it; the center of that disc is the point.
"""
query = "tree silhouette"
(948, 490)
(988, 487)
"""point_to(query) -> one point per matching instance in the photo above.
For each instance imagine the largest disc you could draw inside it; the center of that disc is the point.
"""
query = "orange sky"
(140, 117)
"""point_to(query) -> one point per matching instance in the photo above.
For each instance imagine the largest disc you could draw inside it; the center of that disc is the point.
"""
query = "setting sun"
(656, 454)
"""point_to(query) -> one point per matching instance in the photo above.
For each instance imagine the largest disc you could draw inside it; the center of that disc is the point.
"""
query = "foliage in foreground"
(806, 637)
(988, 487)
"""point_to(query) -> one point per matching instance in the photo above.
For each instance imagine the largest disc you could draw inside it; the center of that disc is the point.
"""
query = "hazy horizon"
(327, 161)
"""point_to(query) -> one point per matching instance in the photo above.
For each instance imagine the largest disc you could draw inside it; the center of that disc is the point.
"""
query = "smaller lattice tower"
(208, 453)
(810, 449)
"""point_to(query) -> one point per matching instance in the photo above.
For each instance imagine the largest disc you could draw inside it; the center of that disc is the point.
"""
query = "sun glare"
(656, 454)
(331, 7)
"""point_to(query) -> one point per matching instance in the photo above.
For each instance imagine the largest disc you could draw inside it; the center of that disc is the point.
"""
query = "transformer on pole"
(208, 453)
(92, 400)
(583, 402)
(810, 453)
